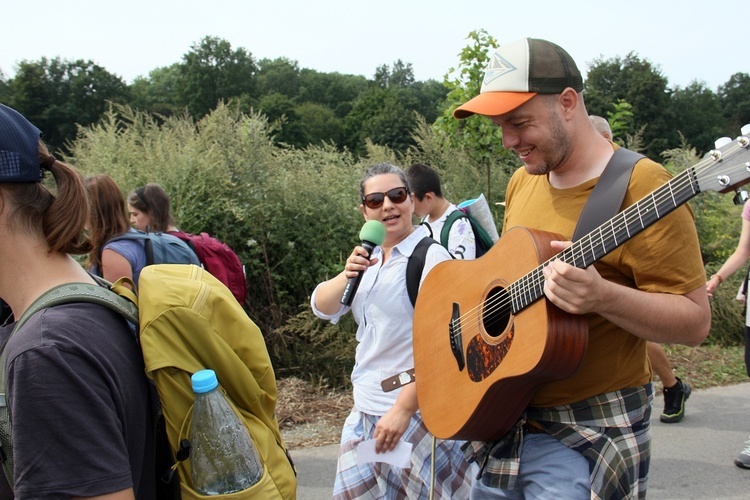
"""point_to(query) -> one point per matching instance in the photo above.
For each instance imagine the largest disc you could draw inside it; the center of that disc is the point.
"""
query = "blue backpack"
(162, 248)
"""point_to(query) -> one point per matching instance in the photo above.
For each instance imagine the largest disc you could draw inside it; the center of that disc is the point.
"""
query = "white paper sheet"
(400, 456)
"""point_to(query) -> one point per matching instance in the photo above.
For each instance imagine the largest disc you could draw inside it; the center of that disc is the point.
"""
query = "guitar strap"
(606, 198)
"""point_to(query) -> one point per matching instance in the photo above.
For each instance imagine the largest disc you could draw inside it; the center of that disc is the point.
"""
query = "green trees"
(386, 112)
(278, 76)
(698, 112)
(212, 72)
(333, 90)
(306, 106)
(159, 92)
(309, 107)
(735, 101)
(4, 93)
(463, 83)
(478, 136)
(58, 95)
(637, 82)
(661, 115)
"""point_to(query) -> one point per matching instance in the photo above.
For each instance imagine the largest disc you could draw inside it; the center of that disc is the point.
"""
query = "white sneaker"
(743, 459)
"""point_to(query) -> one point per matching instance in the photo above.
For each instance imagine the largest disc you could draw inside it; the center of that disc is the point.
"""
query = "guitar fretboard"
(610, 235)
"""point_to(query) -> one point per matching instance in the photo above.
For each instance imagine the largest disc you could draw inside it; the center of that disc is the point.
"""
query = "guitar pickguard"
(487, 349)
(482, 359)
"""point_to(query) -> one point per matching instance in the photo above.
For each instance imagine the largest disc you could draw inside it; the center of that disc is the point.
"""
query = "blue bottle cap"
(204, 381)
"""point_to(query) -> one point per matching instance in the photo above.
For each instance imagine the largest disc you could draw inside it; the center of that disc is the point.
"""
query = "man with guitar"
(585, 435)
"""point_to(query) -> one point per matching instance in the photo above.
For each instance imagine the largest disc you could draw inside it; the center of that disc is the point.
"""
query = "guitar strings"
(535, 277)
(532, 284)
(533, 280)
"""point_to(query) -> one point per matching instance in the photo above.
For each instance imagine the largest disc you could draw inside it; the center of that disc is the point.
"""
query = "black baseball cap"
(19, 148)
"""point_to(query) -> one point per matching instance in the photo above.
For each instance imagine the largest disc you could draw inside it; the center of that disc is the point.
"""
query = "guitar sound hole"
(496, 312)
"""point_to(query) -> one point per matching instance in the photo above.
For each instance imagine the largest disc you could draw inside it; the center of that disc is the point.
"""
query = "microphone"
(372, 234)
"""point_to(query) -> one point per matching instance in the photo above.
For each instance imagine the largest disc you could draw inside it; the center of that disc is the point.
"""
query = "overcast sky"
(688, 40)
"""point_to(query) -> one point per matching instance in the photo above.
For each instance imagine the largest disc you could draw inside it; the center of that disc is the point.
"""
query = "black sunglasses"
(396, 195)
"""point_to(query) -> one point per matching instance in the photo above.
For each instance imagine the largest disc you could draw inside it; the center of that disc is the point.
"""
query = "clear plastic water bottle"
(222, 453)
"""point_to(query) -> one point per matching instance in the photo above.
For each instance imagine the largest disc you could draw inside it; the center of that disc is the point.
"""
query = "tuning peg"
(745, 129)
(740, 197)
(722, 141)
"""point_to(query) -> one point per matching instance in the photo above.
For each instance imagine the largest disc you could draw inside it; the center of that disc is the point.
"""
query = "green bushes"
(292, 214)
(718, 224)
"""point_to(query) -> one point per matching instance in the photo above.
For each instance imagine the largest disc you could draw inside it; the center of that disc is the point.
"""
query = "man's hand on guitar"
(574, 290)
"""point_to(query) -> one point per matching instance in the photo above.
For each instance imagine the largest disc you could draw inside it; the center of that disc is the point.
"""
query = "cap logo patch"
(497, 67)
(10, 164)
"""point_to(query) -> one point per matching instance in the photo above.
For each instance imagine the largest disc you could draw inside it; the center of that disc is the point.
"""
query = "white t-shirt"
(461, 239)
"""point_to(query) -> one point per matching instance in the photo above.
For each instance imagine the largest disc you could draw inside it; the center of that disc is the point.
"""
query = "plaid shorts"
(380, 480)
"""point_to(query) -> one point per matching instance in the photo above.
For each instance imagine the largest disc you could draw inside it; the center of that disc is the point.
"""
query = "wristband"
(718, 276)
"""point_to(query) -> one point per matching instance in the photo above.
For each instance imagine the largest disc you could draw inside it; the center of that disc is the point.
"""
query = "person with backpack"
(76, 393)
(150, 210)
(384, 317)
(119, 250)
(457, 236)
(111, 260)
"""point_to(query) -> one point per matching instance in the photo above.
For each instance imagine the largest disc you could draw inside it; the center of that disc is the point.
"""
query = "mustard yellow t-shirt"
(665, 257)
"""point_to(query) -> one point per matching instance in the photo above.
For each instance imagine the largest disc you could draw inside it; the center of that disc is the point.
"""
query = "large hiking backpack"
(483, 240)
(219, 259)
(162, 248)
(188, 320)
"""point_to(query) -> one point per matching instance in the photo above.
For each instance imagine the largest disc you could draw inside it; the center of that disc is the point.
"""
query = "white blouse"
(384, 316)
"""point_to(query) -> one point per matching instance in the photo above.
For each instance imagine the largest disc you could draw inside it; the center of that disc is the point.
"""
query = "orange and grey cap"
(517, 71)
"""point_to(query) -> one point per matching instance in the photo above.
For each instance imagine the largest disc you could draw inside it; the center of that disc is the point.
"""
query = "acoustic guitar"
(483, 348)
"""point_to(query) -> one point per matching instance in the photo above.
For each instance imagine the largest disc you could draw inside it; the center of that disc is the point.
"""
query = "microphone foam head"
(373, 231)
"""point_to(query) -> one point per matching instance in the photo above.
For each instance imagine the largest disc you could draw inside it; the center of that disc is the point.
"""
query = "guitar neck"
(610, 235)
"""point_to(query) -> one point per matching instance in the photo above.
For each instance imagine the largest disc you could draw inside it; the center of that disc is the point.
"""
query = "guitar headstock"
(727, 166)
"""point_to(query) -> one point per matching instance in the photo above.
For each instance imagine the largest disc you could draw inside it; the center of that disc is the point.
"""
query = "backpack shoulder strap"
(483, 238)
(446, 231)
(69, 293)
(148, 243)
(80, 292)
(129, 235)
(65, 294)
(415, 267)
(189, 240)
(606, 198)
(426, 224)
(61, 294)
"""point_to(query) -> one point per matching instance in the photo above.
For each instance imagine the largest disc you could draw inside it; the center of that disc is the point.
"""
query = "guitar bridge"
(456, 340)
